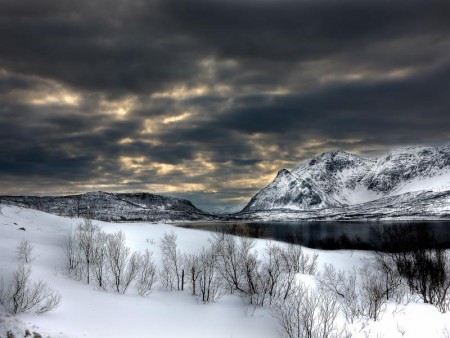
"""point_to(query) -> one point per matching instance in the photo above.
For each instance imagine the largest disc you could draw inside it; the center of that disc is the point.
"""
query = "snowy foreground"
(87, 311)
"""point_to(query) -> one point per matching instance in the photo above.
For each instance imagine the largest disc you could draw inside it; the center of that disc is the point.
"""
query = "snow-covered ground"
(87, 311)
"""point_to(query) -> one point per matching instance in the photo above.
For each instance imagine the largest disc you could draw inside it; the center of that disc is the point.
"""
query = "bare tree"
(210, 281)
(118, 254)
(25, 251)
(73, 255)
(108, 260)
(100, 260)
(172, 261)
(147, 274)
(86, 235)
(132, 270)
(193, 268)
(166, 274)
(86, 253)
(23, 295)
(123, 267)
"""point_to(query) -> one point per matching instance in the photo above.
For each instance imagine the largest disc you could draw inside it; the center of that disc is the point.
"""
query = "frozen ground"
(89, 312)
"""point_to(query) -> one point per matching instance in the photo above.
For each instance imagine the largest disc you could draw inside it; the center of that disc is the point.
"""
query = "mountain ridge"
(340, 179)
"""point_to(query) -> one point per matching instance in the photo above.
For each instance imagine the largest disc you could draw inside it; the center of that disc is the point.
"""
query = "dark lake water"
(324, 235)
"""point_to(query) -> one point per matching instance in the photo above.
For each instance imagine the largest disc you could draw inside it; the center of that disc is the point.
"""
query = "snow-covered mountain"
(412, 182)
(113, 207)
(339, 180)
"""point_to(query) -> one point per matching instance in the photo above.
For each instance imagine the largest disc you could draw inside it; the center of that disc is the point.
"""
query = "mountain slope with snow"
(287, 191)
(338, 179)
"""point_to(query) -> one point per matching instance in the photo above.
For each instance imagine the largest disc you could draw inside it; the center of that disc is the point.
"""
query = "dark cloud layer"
(207, 99)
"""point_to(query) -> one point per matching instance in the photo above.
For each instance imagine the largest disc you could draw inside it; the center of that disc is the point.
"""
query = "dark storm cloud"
(93, 44)
(209, 96)
(395, 105)
(299, 30)
(143, 46)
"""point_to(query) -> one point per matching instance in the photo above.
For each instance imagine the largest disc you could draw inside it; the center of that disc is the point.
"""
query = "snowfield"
(87, 311)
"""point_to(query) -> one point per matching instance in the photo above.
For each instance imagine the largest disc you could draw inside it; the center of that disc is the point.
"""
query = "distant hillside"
(117, 207)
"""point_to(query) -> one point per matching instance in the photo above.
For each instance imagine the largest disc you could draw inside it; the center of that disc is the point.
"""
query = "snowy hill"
(113, 206)
(341, 181)
(88, 311)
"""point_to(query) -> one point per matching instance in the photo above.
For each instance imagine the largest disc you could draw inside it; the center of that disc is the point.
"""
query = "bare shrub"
(147, 274)
(427, 273)
(307, 314)
(364, 299)
(23, 295)
(273, 268)
(342, 285)
(373, 294)
(393, 283)
(256, 283)
(25, 251)
(300, 261)
(232, 253)
(291, 267)
(272, 278)
(420, 262)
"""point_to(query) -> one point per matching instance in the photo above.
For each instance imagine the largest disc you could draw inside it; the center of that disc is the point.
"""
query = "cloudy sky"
(208, 99)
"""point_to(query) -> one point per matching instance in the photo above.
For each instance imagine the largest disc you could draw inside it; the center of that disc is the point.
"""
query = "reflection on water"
(324, 235)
